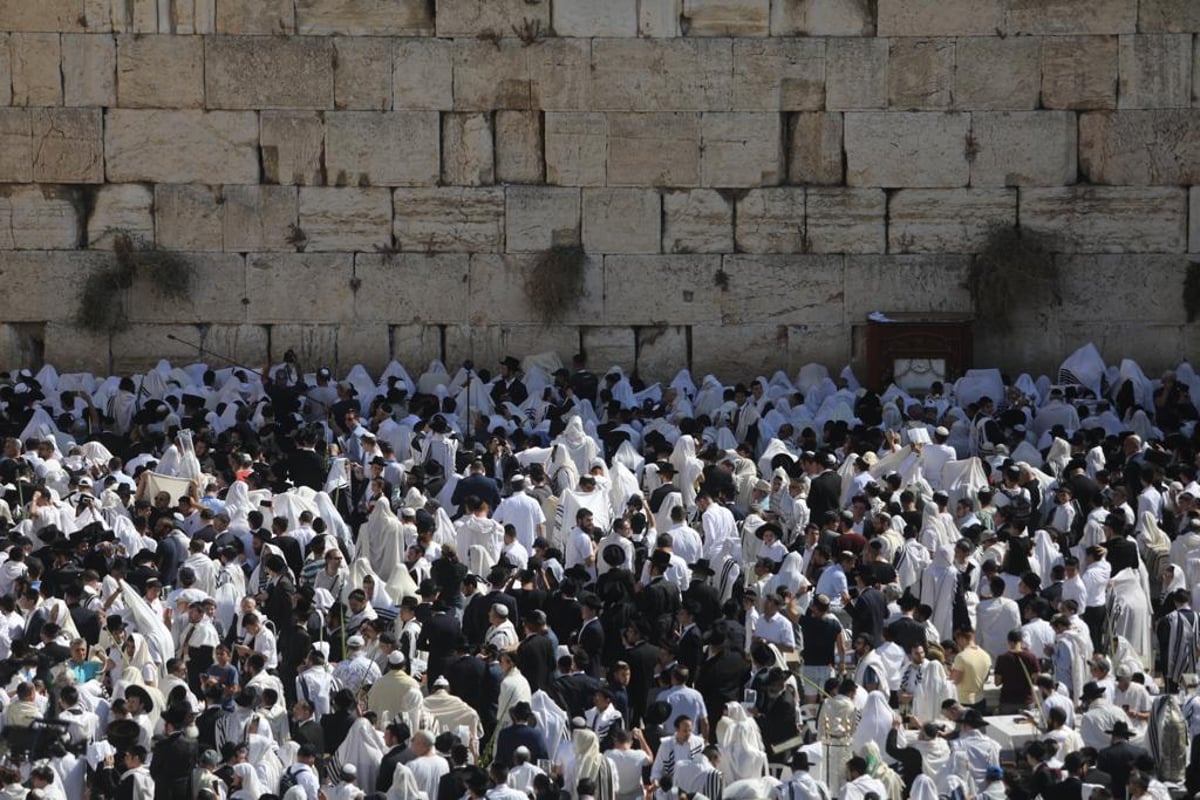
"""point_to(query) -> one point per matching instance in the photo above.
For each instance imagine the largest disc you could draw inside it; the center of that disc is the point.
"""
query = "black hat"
(613, 555)
(761, 530)
(661, 559)
(973, 718)
(604, 691)
(714, 636)
(1120, 728)
(175, 715)
(578, 573)
(666, 467)
(1091, 690)
(115, 623)
(592, 601)
(141, 694)
(510, 362)
(702, 567)
(427, 588)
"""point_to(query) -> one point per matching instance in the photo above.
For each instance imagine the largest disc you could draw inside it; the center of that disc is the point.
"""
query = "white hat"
(85, 481)
(500, 610)
(406, 511)
(441, 682)
(941, 430)
(349, 771)
(355, 642)
(395, 658)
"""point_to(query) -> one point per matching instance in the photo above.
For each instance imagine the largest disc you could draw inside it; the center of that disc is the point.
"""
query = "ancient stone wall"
(368, 179)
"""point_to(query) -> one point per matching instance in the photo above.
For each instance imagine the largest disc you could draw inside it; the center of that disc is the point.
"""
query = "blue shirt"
(684, 701)
(84, 671)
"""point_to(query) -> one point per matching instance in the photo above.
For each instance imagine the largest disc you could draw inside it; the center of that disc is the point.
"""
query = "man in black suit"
(1122, 553)
(526, 595)
(304, 466)
(277, 604)
(305, 729)
(722, 675)
(522, 733)
(659, 599)
(396, 737)
(825, 489)
(477, 484)
(563, 610)
(174, 757)
(467, 675)
(642, 657)
(437, 638)
(475, 617)
(690, 650)
(509, 388)
(575, 686)
(86, 620)
(52, 652)
(703, 594)
(1118, 758)
(590, 638)
(535, 655)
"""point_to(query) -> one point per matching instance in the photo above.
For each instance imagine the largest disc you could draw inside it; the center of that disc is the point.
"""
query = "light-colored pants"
(814, 677)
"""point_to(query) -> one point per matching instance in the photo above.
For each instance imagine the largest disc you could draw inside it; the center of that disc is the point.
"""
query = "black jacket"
(721, 679)
(468, 680)
(824, 494)
(535, 658)
(172, 765)
(387, 768)
(311, 733)
(480, 486)
(437, 638)
(576, 691)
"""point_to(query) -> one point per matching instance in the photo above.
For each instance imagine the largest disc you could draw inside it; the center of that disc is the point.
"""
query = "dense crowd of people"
(545, 582)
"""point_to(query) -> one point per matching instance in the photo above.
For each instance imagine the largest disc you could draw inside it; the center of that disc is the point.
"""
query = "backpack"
(289, 779)
(1019, 506)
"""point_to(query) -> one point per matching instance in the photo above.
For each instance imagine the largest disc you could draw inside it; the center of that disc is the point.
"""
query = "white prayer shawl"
(861, 787)
(790, 575)
(996, 618)
(923, 788)
(149, 624)
(874, 724)
(581, 448)
(205, 570)
(379, 541)
(938, 586)
(252, 787)
(912, 562)
(1183, 642)
(363, 749)
(551, 718)
(631, 459)
(237, 503)
(143, 784)
(449, 713)
(1084, 367)
(1129, 612)
(262, 753)
(1046, 555)
(175, 487)
(404, 785)
(710, 397)
(688, 469)
(230, 588)
(624, 486)
(569, 504)
(743, 754)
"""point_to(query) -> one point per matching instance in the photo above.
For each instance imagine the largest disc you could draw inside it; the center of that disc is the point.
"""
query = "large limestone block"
(920, 73)
(362, 73)
(1024, 148)
(244, 343)
(1000, 74)
(654, 149)
(1079, 72)
(560, 73)
(622, 220)
(451, 218)
(938, 18)
(906, 283)
(5, 71)
(856, 73)
(831, 345)
(71, 348)
(576, 148)
(736, 354)
(49, 16)
(1103, 219)
(1147, 282)
(215, 291)
(16, 146)
(388, 291)
(268, 72)
(1194, 221)
(660, 351)
(487, 345)
(659, 19)
(21, 345)
(146, 145)
(364, 17)
(520, 154)
(697, 221)
(846, 220)
(661, 74)
(906, 149)
(539, 217)
(36, 69)
(794, 289)
(121, 210)
(611, 346)
(160, 71)
(470, 18)
(506, 74)
(1156, 71)
(345, 218)
(398, 148)
(423, 74)
(293, 147)
(815, 148)
(416, 345)
(89, 63)
(369, 344)
(655, 290)
(587, 18)
(188, 217)
(1140, 147)
(741, 149)
(67, 145)
(468, 154)
(313, 344)
(1168, 16)
(37, 218)
(498, 292)
(314, 287)
(822, 18)
(1057, 17)
(947, 220)
(259, 218)
(51, 282)
(779, 75)
(256, 17)
(771, 220)
(726, 17)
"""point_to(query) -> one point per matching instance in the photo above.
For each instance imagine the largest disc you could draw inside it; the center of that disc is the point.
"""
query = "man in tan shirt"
(24, 711)
(970, 668)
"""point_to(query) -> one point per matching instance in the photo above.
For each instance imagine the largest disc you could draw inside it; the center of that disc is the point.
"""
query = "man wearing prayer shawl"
(1178, 640)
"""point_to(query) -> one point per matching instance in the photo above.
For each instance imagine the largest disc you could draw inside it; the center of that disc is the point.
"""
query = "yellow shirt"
(974, 663)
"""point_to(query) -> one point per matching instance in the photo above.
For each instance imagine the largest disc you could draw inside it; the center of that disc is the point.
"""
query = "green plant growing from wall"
(555, 281)
(1015, 269)
(104, 300)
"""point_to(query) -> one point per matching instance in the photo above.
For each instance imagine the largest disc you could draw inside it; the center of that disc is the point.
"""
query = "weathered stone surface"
(906, 149)
(16, 146)
(771, 221)
(822, 18)
(1144, 276)
(726, 17)
(67, 145)
(1140, 147)
(1056, 17)
(920, 73)
(997, 74)
(797, 289)
(345, 219)
(536, 218)
(268, 72)
(906, 283)
(520, 156)
(654, 149)
(452, 218)
(293, 147)
(741, 149)
(947, 220)
(622, 220)
(738, 353)
(369, 344)
(46, 15)
(246, 344)
(217, 285)
(498, 294)
(587, 18)
(463, 18)
(1102, 219)
(89, 66)
(652, 290)
(37, 218)
(262, 17)
(1024, 148)
(661, 74)
(387, 291)
(259, 218)
(821, 344)
(697, 221)
(1168, 16)
(188, 217)
(576, 148)
(487, 345)
(1194, 224)
(660, 351)
(560, 72)
(507, 74)
(160, 71)
(362, 73)
(364, 17)
(856, 73)
(1079, 72)
(845, 220)
(659, 18)
(5, 71)
(416, 345)
(468, 155)
(66, 344)
(1156, 71)
(144, 145)
(610, 346)
(121, 209)
(313, 344)
(399, 148)
(423, 74)
(779, 75)
(937, 18)
(36, 69)
(50, 282)
(815, 148)
(21, 345)
(318, 285)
